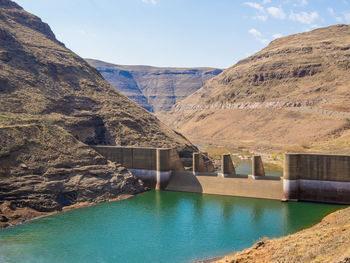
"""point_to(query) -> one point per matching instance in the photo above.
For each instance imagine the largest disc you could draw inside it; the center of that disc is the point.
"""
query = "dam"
(306, 177)
(176, 225)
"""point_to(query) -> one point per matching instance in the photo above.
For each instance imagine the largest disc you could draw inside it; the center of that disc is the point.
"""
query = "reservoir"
(157, 226)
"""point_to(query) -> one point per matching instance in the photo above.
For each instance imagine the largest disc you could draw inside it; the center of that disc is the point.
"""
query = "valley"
(155, 89)
(101, 162)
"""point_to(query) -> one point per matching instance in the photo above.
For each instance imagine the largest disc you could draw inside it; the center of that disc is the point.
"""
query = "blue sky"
(181, 32)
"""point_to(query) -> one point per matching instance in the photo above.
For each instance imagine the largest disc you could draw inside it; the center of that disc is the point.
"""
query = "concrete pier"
(163, 168)
(201, 163)
(257, 166)
(227, 167)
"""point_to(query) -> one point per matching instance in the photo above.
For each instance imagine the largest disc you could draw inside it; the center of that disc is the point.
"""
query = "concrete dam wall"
(154, 166)
(202, 180)
(270, 187)
(306, 177)
(315, 177)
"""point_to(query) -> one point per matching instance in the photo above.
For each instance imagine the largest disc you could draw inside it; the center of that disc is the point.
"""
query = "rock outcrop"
(53, 105)
(292, 93)
(155, 89)
(44, 168)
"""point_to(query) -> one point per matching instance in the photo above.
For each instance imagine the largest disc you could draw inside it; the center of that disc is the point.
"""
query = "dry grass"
(261, 130)
(216, 152)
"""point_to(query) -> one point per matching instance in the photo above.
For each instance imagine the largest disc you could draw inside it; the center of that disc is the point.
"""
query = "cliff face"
(53, 104)
(155, 89)
(293, 92)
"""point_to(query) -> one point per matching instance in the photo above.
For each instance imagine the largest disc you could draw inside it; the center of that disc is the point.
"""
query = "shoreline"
(319, 246)
(256, 247)
(65, 209)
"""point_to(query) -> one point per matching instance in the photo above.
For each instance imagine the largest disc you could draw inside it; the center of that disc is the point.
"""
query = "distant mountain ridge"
(154, 88)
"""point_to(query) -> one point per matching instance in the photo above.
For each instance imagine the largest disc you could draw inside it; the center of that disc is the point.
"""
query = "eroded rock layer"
(154, 88)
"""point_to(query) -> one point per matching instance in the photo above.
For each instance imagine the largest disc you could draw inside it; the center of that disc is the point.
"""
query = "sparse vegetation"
(273, 166)
(274, 156)
(216, 152)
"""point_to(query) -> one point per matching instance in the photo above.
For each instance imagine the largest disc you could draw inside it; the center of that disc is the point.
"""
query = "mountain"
(154, 88)
(53, 105)
(292, 95)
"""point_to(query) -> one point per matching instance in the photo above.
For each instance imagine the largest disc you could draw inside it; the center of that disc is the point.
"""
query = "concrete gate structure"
(306, 177)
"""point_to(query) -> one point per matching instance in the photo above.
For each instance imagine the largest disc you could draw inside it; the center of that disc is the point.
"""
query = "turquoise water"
(156, 227)
(245, 167)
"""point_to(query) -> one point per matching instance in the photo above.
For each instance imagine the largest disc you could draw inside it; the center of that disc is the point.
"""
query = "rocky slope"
(43, 168)
(53, 104)
(291, 94)
(327, 241)
(155, 89)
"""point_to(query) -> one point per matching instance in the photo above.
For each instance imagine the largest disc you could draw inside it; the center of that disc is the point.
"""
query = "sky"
(181, 33)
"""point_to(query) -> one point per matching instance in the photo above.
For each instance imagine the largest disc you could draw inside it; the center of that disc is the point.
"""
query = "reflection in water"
(198, 206)
(156, 227)
(257, 213)
(227, 210)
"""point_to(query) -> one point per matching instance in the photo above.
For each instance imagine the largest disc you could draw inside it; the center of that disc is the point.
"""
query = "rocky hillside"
(43, 168)
(293, 94)
(40, 77)
(53, 104)
(155, 89)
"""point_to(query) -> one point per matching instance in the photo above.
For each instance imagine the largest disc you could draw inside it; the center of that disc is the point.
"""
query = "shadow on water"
(156, 227)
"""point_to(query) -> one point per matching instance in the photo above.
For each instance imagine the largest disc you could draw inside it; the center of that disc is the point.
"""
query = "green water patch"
(157, 227)
(245, 167)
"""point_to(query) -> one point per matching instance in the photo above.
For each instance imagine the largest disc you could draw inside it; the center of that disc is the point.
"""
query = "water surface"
(156, 227)
(245, 167)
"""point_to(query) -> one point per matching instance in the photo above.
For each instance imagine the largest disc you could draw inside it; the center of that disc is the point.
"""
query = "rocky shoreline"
(11, 216)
